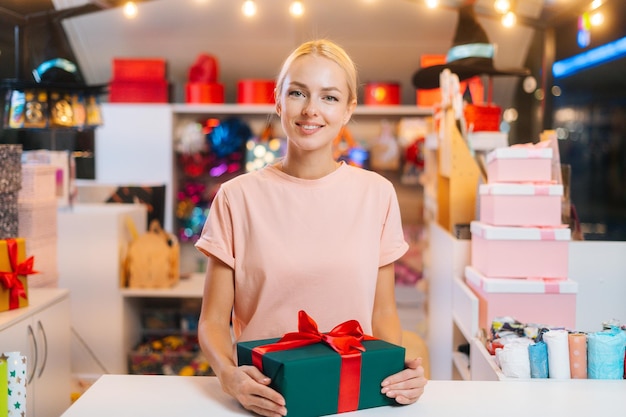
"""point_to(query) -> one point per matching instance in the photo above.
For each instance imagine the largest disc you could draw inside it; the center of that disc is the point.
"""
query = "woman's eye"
(296, 93)
(331, 98)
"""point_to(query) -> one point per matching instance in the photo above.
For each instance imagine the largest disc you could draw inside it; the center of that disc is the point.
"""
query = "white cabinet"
(41, 332)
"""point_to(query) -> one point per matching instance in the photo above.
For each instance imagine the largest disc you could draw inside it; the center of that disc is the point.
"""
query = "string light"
(249, 8)
(296, 9)
(596, 19)
(130, 9)
(432, 4)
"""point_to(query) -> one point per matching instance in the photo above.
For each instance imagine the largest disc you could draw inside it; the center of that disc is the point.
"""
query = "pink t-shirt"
(295, 244)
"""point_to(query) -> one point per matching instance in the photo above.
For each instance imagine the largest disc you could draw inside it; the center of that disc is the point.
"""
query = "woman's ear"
(278, 109)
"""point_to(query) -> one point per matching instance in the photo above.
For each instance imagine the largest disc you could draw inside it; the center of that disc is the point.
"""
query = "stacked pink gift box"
(520, 248)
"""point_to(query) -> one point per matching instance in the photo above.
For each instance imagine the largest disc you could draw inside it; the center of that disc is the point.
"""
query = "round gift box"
(377, 94)
(255, 91)
(212, 93)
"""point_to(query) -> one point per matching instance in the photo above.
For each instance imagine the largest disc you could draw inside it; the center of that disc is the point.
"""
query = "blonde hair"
(326, 49)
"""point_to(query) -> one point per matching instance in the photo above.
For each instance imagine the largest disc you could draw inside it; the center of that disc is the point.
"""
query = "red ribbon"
(10, 279)
(344, 339)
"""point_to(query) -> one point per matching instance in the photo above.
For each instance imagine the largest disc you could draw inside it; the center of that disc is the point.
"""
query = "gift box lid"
(519, 152)
(520, 189)
(499, 285)
(489, 232)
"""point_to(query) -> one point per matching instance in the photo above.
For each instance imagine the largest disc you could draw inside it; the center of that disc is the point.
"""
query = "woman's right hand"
(251, 388)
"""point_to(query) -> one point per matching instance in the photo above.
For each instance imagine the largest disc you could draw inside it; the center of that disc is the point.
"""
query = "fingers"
(407, 386)
(251, 388)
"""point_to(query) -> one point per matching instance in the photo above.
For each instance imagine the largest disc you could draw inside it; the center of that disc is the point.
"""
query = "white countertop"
(166, 396)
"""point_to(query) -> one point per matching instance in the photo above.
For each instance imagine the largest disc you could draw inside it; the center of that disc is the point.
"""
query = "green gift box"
(310, 377)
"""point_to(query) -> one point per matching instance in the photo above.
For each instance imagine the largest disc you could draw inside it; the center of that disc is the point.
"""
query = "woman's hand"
(250, 387)
(407, 386)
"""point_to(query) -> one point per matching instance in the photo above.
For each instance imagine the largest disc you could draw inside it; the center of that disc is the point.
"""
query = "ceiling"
(386, 38)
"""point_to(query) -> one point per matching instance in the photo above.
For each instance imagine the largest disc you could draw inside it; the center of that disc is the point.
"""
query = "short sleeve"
(392, 245)
(217, 234)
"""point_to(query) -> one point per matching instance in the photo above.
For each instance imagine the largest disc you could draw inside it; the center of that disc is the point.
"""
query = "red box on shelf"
(138, 69)
(255, 91)
(212, 93)
(481, 118)
(139, 92)
(382, 94)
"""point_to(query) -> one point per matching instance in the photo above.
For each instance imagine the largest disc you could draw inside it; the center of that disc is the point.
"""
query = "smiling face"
(314, 102)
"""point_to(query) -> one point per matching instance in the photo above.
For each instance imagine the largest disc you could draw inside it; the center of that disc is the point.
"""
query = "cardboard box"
(520, 252)
(519, 164)
(540, 301)
(309, 377)
(14, 268)
(508, 204)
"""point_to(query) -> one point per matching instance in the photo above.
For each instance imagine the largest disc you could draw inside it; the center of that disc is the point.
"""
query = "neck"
(309, 170)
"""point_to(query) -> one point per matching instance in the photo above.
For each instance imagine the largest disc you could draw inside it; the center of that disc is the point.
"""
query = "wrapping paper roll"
(4, 386)
(606, 354)
(513, 359)
(558, 354)
(578, 355)
(538, 356)
(16, 365)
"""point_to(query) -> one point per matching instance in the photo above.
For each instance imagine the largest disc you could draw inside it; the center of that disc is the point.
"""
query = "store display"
(520, 252)
(328, 373)
(14, 271)
(606, 353)
(17, 380)
(520, 204)
(255, 91)
(381, 94)
(37, 209)
(10, 184)
(520, 163)
(202, 82)
(139, 80)
(265, 149)
(152, 259)
(557, 353)
(471, 54)
(542, 301)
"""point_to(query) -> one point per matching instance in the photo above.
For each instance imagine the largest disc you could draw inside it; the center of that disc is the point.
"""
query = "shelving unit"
(130, 129)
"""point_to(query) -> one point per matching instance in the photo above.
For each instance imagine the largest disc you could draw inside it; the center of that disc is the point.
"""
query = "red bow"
(345, 339)
(10, 279)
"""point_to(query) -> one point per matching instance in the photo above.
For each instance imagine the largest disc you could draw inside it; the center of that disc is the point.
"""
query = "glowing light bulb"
(431, 4)
(296, 9)
(509, 19)
(249, 8)
(502, 6)
(130, 9)
(596, 19)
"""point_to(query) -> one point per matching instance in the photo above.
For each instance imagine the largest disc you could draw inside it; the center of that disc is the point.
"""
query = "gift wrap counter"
(166, 396)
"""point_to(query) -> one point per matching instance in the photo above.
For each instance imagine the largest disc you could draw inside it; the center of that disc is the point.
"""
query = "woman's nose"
(310, 108)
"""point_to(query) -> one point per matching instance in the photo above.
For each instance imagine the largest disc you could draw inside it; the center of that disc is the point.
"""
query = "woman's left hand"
(407, 386)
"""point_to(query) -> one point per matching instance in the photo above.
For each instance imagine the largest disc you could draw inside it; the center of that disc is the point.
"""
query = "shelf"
(191, 287)
(462, 365)
(261, 109)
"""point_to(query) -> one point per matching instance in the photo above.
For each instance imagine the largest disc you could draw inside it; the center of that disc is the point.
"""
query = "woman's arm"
(408, 385)
(245, 383)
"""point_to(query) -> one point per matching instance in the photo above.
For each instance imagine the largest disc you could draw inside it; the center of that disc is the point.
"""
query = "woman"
(308, 233)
